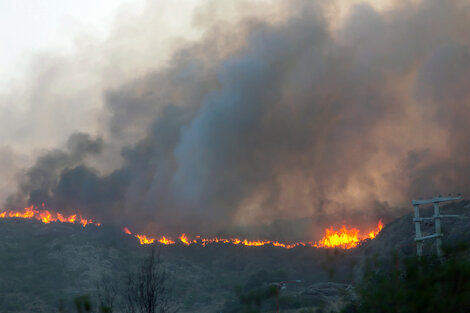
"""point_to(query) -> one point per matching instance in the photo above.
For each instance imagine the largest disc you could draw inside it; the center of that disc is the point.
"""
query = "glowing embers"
(46, 216)
(345, 238)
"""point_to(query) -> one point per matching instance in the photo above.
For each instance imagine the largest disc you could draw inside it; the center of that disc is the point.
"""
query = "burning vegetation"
(344, 238)
(46, 216)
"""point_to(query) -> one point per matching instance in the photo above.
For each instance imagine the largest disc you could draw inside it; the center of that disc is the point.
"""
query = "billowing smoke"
(278, 122)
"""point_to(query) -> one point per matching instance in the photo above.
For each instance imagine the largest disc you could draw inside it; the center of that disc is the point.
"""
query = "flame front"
(184, 239)
(374, 233)
(166, 241)
(46, 216)
(345, 238)
(144, 240)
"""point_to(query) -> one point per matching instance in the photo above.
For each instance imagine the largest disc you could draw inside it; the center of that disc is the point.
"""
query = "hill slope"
(41, 265)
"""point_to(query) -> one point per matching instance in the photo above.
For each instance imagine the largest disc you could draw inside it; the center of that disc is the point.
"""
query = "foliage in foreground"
(255, 294)
(416, 285)
(258, 294)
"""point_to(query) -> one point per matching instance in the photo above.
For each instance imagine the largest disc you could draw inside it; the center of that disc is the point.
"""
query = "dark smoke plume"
(280, 124)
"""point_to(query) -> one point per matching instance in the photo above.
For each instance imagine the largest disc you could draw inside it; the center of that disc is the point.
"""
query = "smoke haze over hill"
(274, 119)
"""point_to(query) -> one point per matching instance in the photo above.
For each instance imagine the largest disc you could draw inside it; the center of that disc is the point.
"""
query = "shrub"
(416, 285)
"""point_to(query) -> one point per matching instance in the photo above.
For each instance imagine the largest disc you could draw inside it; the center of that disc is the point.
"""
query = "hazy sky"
(31, 26)
(28, 27)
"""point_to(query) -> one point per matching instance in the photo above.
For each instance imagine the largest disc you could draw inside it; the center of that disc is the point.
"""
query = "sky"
(32, 26)
(274, 118)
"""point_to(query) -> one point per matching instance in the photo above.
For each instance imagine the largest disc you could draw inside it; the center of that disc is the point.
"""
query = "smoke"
(45, 179)
(274, 121)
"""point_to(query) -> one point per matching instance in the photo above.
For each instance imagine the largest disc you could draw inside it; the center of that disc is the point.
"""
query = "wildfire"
(144, 240)
(344, 238)
(374, 233)
(166, 241)
(184, 239)
(46, 216)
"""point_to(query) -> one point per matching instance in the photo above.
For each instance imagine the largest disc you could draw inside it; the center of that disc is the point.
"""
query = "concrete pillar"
(419, 242)
(437, 223)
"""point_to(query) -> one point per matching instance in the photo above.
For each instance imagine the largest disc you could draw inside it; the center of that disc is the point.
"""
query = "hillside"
(44, 265)
(41, 265)
(397, 237)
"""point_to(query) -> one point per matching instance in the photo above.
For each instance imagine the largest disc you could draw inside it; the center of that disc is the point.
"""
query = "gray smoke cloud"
(278, 125)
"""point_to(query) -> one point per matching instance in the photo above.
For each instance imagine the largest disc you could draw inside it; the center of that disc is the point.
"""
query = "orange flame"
(46, 216)
(345, 238)
(184, 239)
(256, 243)
(144, 240)
(374, 233)
(165, 241)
